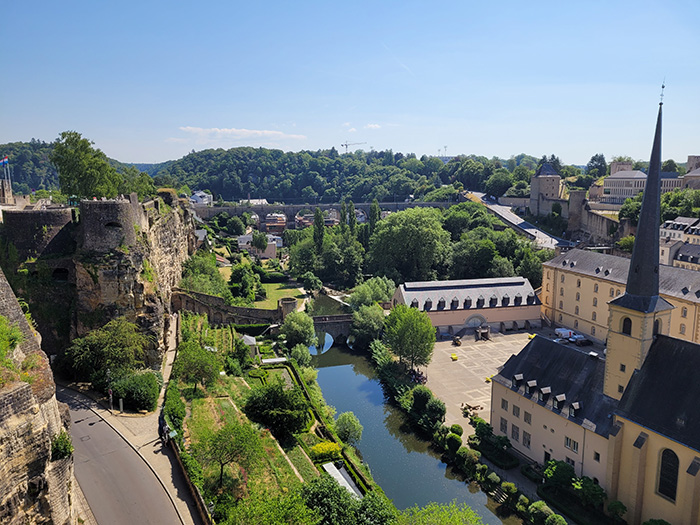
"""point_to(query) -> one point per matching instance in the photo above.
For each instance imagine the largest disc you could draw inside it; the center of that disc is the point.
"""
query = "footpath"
(140, 432)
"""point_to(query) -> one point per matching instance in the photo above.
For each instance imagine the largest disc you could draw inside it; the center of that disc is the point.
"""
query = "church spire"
(642, 292)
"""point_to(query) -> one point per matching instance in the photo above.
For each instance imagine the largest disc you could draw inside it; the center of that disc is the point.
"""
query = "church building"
(628, 419)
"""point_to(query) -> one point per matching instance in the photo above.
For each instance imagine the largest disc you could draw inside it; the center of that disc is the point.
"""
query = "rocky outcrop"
(33, 489)
(130, 257)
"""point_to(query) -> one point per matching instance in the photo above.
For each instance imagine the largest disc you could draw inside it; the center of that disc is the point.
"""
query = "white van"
(564, 333)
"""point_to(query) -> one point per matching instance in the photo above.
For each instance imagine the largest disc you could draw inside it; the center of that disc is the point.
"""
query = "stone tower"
(544, 185)
(640, 313)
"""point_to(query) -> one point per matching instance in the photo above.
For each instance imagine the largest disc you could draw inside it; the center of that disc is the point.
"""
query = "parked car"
(561, 341)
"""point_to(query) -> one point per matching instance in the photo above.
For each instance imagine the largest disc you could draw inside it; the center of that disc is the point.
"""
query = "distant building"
(202, 198)
(253, 202)
(273, 242)
(275, 222)
(626, 184)
(457, 307)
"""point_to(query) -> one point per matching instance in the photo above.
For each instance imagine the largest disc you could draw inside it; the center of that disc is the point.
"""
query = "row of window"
(527, 417)
(515, 433)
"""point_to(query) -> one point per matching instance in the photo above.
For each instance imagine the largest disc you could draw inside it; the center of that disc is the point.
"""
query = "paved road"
(117, 483)
(542, 239)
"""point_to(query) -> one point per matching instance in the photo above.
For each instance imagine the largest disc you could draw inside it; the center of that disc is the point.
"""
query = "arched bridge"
(337, 326)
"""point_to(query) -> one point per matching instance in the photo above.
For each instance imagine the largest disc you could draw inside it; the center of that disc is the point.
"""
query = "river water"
(408, 471)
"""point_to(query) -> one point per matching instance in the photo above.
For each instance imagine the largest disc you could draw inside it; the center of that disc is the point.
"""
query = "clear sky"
(149, 81)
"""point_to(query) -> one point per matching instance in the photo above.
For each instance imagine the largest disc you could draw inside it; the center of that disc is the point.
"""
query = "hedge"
(570, 506)
(273, 277)
(174, 407)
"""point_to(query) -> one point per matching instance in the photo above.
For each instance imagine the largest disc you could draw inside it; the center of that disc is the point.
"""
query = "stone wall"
(33, 489)
(219, 313)
(39, 232)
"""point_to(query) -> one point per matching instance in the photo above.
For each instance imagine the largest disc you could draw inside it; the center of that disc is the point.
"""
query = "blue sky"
(150, 81)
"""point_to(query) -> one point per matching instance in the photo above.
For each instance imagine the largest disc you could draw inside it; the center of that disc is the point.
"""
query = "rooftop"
(558, 369)
(663, 395)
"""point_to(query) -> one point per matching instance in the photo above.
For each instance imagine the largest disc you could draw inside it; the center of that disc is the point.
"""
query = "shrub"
(273, 277)
(260, 373)
(433, 416)
(457, 429)
(139, 391)
(492, 481)
(468, 460)
(555, 519)
(440, 437)
(481, 472)
(193, 469)
(301, 354)
(616, 509)
(538, 512)
(232, 366)
(452, 443)
(481, 428)
(325, 451)
(522, 505)
(174, 407)
(61, 446)
(511, 492)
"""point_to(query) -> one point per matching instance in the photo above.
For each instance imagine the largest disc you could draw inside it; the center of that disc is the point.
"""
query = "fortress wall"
(39, 232)
(107, 225)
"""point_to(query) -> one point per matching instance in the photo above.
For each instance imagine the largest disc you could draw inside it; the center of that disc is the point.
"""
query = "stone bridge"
(291, 210)
(337, 326)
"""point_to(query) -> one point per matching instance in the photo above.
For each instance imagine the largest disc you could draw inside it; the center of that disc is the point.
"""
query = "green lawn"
(276, 291)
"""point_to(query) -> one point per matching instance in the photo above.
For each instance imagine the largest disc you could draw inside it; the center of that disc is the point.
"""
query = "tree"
(301, 354)
(630, 209)
(367, 324)
(343, 217)
(196, 364)
(261, 509)
(410, 245)
(118, 346)
(410, 335)
(376, 289)
(330, 500)
(375, 509)
(352, 218)
(616, 509)
(590, 493)
(555, 519)
(259, 241)
(375, 215)
(233, 442)
(284, 412)
(298, 328)
(531, 268)
(439, 514)
(472, 259)
(626, 244)
(348, 428)
(319, 230)
(670, 165)
(234, 226)
(597, 167)
(498, 183)
(83, 170)
(559, 473)
(311, 282)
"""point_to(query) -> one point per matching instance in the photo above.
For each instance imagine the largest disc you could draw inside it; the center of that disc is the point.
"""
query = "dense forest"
(321, 176)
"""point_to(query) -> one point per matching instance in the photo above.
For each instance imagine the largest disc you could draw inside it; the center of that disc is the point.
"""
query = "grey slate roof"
(689, 253)
(468, 294)
(565, 370)
(546, 169)
(679, 223)
(673, 281)
(663, 395)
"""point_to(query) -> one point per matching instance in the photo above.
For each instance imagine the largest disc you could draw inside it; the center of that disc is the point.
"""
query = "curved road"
(119, 486)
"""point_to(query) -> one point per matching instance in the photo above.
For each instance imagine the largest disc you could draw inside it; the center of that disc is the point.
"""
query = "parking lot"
(464, 381)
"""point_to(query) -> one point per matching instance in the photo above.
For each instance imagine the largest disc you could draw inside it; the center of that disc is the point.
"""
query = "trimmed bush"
(492, 481)
(139, 391)
(452, 443)
(457, 429)
(467, 460)
(193, 469)
(522, 505)
(273, 277)
(511, 492)
(538, 512)
(555, 519)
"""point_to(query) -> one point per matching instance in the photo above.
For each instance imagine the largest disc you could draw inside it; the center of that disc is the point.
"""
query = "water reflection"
(408, 470)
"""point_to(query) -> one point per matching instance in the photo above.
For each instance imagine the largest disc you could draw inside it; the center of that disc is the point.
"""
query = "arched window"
(576, 310)
(595, 301)
(657, 326)
(547, 286)
(682, 330)
(668, 474)
(595, 288)
(578, 283)
(684, 312)
(576, 324)
(612, 292)
(627, 326)
(561, 291)
(593, 316)
(578, 296)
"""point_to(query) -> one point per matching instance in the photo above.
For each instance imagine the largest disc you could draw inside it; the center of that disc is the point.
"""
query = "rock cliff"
(33, 489)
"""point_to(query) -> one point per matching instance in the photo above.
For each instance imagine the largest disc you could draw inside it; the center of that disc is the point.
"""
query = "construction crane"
(351, 144)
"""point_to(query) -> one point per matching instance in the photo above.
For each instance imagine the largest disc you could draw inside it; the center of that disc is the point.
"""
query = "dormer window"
(428, 304)
(531, 298)
(505, 300)
(543, 392)
(530, 385)
(441, 303)
(480, 302)
(467, 303)
(517, 378)
(493, 301)
(518, 299)
(454, 304)
(573, 407)
(559, 401)
(414, 303)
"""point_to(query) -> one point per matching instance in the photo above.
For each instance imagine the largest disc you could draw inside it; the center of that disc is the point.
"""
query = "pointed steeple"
(642, 292)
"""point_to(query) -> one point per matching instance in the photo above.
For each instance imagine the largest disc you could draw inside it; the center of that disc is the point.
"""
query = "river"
(408, 471)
